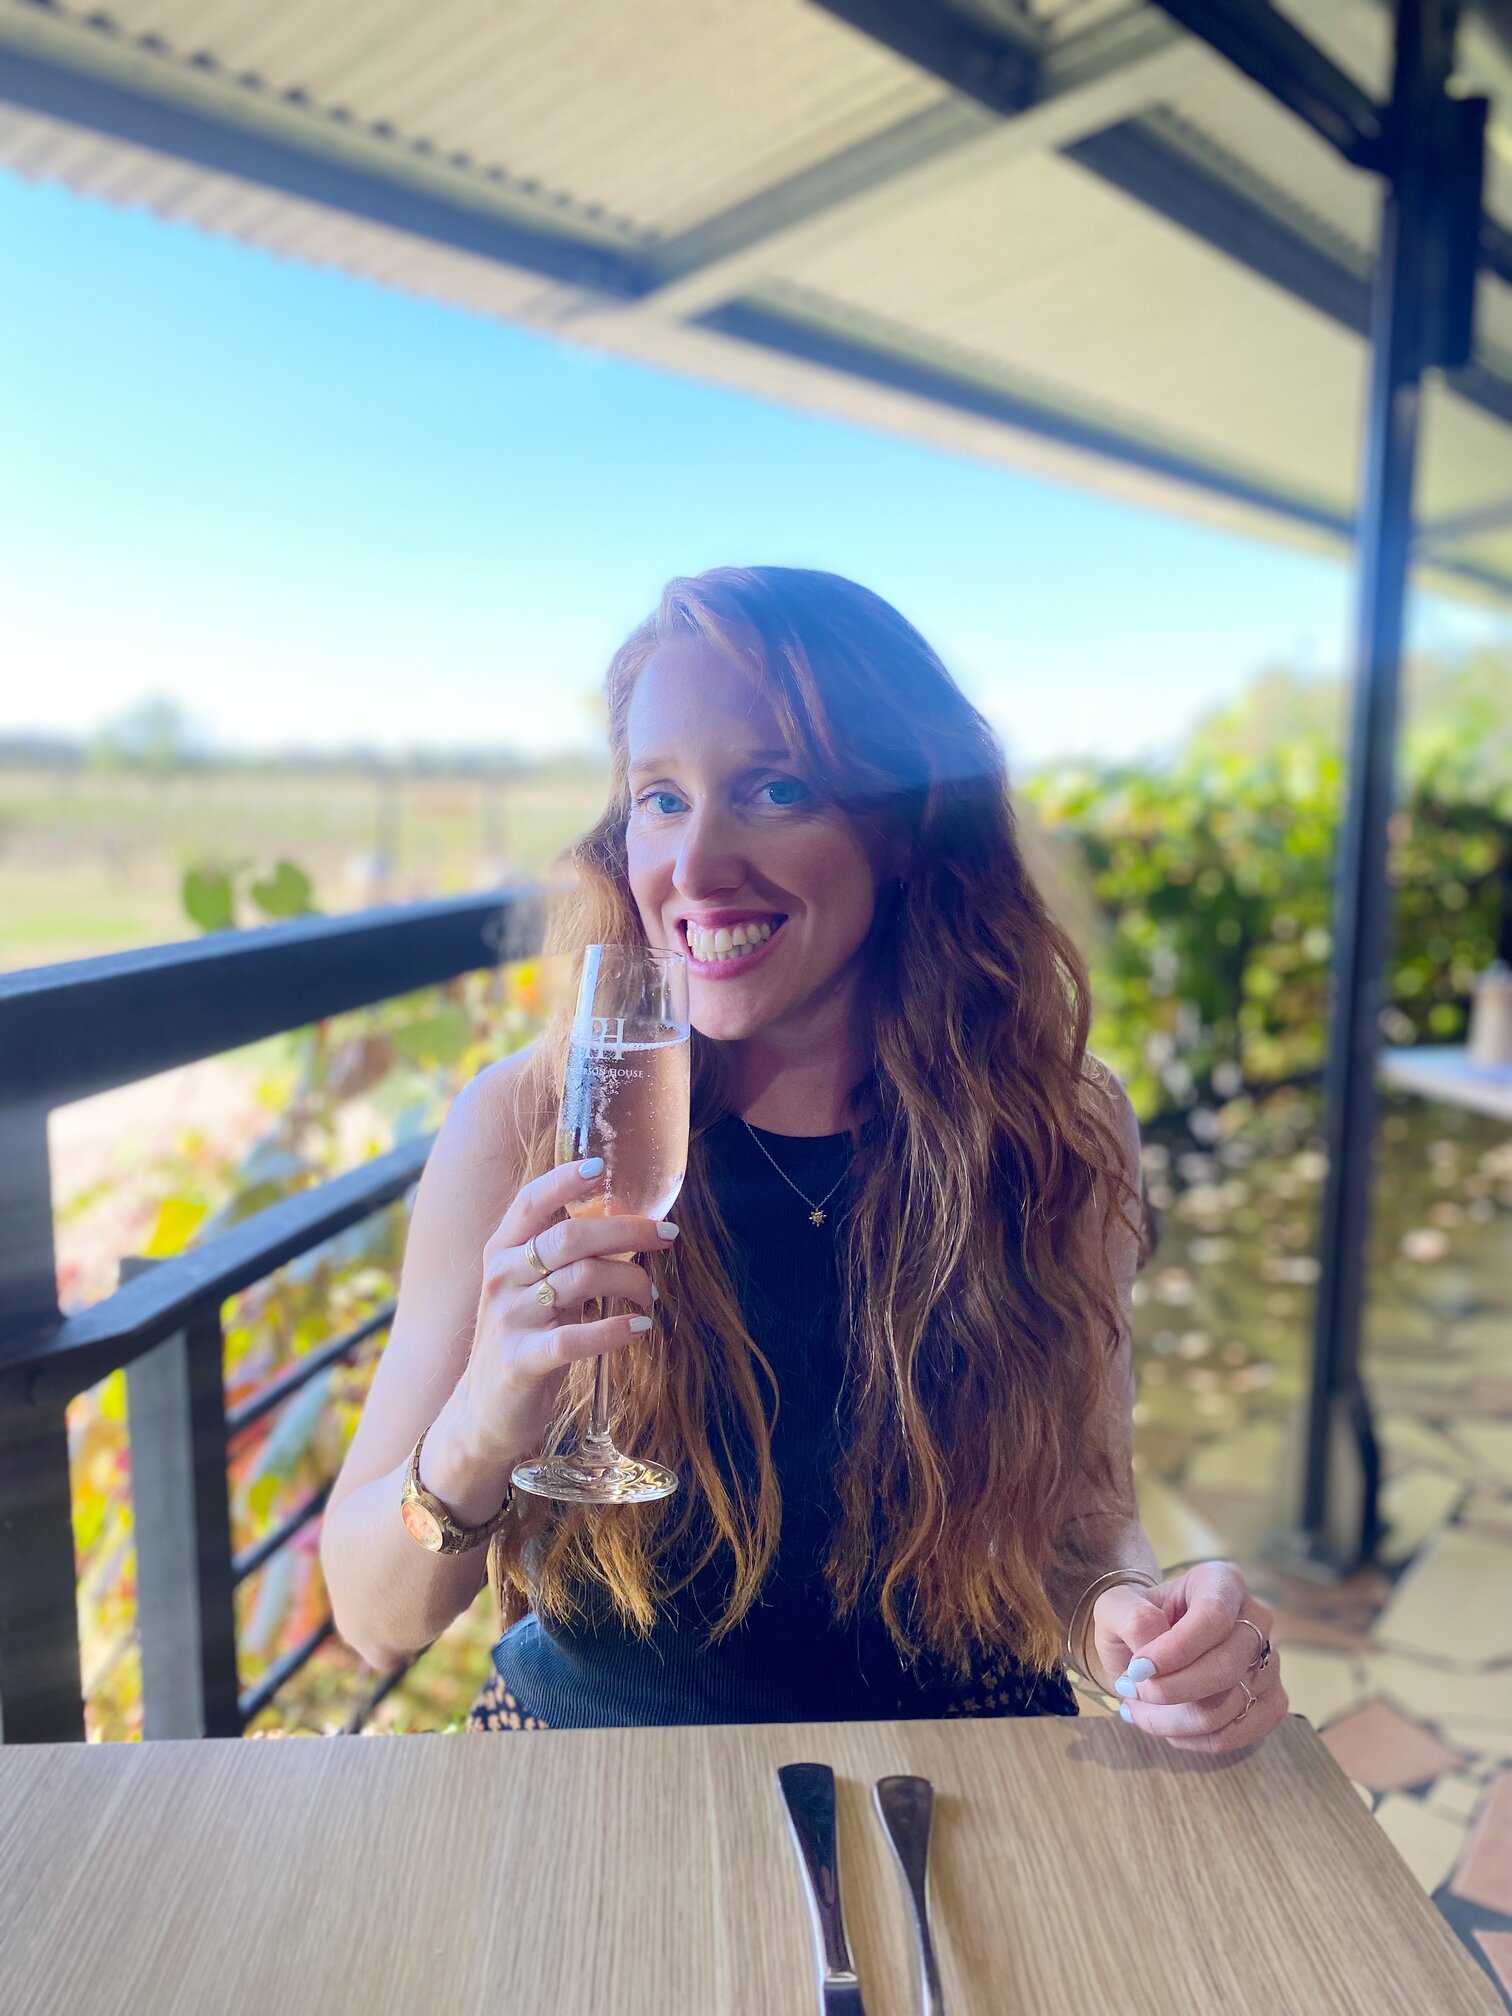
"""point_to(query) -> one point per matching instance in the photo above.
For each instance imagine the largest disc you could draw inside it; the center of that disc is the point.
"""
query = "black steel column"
(41, 1684)
(41, 1692)
(1340, 1521)
(186, 1585)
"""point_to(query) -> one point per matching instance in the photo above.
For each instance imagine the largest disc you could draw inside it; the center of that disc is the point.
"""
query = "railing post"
(41, 1682)
(186, 1609)
(41, 1686)
(28, 1266)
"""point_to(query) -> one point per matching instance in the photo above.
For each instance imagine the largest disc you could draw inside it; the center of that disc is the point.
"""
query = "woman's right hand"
(522, 1347)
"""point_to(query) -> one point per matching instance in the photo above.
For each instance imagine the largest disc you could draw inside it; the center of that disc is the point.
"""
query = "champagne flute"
(625, 1097)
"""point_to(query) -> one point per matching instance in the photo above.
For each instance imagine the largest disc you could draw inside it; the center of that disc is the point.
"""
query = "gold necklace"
(816, 1211)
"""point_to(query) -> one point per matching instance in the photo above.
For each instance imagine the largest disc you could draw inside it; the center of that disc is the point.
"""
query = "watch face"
(421, 1525)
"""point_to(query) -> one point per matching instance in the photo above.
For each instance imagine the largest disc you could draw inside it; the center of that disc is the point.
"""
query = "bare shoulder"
(477, 1162)
(493, 1109)
(1110, 1102)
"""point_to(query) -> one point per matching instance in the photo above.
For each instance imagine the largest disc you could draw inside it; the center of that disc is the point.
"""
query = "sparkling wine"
(627, 1101)
(624, 1096)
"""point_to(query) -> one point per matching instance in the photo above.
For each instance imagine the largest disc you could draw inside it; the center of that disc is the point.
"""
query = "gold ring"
(534, 1258)
(545, 1294)
(1262, 1657)
(1249, 1702)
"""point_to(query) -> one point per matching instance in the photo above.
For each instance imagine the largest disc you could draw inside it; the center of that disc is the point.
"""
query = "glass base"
(596, 1474)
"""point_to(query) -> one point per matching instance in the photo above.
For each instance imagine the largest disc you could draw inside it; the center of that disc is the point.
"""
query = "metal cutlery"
(906, 1807)
(808, 1792)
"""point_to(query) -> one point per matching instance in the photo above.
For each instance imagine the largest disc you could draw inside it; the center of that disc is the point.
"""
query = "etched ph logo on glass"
(625, 1097)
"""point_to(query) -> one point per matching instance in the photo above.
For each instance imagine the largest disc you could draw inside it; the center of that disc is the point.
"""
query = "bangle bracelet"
(1076, 1644)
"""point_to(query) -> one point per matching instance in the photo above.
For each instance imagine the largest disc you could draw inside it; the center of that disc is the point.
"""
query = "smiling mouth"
(706, 951)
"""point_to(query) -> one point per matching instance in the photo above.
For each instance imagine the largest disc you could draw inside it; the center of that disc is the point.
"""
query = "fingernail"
(1126, 1712)
(669, 1231)
(655, 1292)
(640, 1325)
(594, 1166)
(1140, 1669)
(1125, 1686)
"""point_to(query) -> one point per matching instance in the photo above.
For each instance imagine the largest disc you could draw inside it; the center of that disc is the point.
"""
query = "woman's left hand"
(1183, 1658)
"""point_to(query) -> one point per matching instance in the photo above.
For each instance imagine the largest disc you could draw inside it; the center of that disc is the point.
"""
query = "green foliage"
(284, 893)
(211, 895)
(1213, 878)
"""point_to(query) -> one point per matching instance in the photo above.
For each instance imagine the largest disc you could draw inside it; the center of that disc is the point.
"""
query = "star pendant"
(816, 1216)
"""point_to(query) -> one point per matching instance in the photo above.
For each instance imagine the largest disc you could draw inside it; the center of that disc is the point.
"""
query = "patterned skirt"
(497, 1708)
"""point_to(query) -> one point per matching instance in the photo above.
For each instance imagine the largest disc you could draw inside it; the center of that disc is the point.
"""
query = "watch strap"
(455, 1537)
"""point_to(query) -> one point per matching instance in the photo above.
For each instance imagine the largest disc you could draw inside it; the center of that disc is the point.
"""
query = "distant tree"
(155, 734)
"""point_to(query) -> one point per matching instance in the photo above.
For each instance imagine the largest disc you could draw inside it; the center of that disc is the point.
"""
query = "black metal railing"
(70, 1030)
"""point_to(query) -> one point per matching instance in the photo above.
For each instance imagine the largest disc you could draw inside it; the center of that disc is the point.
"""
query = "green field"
(92, 861)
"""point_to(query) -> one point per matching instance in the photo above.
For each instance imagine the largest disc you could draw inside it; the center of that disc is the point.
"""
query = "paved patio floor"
(1405, 1667)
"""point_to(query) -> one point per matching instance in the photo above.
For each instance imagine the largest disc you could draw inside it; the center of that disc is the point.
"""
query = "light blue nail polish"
(640, 1325)
(594, 1166)
(1125, 1686)
(1141, 1669)
(1126, 1712)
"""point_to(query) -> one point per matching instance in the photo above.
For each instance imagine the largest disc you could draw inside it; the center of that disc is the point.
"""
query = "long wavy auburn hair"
(981, 1309)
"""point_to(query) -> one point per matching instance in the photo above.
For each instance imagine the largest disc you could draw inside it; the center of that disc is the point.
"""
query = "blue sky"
(315, 511)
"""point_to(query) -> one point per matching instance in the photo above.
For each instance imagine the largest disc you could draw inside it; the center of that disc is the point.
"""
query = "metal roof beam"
(1282, 60)
(1497, 15)
(325, 174)
(1076, 87)
(997, 65)
(1248, 220)
(1276, 55)
(1467, 524)
(1496, 248)
(1147, 159)
(858, 357)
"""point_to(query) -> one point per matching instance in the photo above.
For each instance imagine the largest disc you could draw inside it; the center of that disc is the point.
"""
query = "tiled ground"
(1405, 1668)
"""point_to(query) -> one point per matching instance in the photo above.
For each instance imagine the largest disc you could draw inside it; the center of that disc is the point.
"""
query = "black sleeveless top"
(790, 1659)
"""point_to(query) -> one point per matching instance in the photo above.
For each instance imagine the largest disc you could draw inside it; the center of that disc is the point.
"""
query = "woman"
(889, 1352)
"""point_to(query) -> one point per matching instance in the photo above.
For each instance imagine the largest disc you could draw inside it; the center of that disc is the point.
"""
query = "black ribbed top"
(789, 1660)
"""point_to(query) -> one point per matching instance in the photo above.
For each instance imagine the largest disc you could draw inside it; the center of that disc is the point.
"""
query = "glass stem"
(598, 1419)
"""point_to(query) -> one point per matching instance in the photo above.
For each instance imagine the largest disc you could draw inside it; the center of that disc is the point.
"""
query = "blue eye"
(653, 799)
(787, 784)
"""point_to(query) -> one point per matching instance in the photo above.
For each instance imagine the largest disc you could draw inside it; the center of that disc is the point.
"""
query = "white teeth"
(713, 947)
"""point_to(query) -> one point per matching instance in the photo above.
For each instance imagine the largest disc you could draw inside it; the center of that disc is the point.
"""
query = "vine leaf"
(285, 893)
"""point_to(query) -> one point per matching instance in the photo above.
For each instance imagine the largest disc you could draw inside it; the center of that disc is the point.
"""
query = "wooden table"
(1080, 1867)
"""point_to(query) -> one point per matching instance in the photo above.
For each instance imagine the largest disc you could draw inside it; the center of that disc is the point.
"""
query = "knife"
(808, 1792)
(907, 1808)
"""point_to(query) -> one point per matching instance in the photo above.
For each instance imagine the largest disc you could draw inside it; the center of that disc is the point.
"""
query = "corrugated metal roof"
(641, 117)
(754, 192)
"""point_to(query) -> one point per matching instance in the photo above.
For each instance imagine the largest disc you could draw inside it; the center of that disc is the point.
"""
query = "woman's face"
(725, 829)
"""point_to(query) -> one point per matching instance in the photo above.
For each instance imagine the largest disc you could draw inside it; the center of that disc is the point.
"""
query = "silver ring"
(545, 1294)
(534, 1258)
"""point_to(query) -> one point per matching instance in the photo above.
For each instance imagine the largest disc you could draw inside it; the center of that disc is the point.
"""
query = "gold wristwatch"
(427, 1520)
